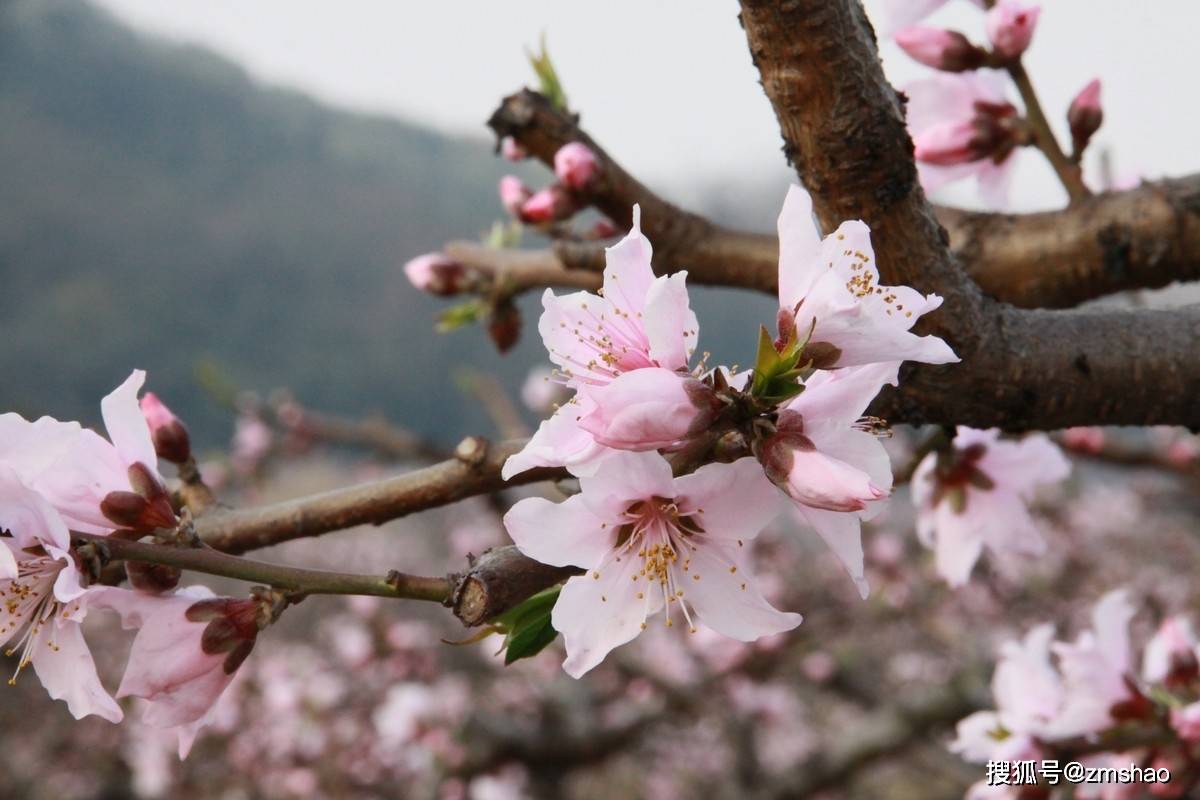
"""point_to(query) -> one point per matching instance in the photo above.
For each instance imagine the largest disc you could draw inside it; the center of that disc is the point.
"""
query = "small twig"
(1068, 171)
(301, 581)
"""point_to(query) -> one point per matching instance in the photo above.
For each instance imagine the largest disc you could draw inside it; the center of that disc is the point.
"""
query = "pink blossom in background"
(1097, 670)
(902, 13)
(1186, 722)
(541, 393)
(939, 48)
(831, 466)
(1010, 25)
(551, 204)
(963, 126)
(1173, 654)
(252, 441)
(640, 321)
(435, 273)
(1084, 439)
(511, 150)
(977, 496)
(168, 433)
(831, 287)
(576, 166)
(652, 542)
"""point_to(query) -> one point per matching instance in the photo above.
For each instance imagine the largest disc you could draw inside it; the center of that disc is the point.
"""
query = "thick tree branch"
(843, 129)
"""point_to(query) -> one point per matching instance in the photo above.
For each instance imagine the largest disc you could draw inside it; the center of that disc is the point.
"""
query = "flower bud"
(232, 628)
(649, 408)
(170, 436)
(603, 229)
(1010, 25)
(551, 204)
(576, 166)
(152, 578)
(1186, 722)
(513, 194)
(1084, 439)
(145, 508)
(1085, 115)
(991, 133)
(1170, 655)
(436, 273)
(504, 326)
(794, 463)
(941, 49)
(511, 150)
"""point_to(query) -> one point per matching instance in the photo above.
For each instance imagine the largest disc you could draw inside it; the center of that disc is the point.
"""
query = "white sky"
(667, 85)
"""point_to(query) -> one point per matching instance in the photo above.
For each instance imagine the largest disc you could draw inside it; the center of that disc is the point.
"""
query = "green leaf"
(548, 82)
(462, 314)
(528, 626)
(766, 361)
(502, 235)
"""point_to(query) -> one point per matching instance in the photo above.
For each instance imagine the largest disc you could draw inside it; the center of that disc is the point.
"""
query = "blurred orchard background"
(223, 193)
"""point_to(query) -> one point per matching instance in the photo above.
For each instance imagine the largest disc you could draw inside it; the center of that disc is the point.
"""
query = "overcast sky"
(668, 86)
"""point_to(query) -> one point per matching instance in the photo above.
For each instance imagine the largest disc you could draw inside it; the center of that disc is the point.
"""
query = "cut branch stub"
(500, 579)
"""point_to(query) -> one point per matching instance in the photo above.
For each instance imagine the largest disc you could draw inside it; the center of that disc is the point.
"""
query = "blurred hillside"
(161, 210)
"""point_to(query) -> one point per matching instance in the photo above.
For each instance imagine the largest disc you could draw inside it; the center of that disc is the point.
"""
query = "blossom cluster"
(1089, 700)
(60, 481)
(655, 525)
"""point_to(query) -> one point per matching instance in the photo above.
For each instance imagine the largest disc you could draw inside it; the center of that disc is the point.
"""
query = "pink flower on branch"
(168, 433)
(513, 194)
(1010, 25)
(639, 321)
(902, 13)
(963, 125)
(436, 273)
(649, 409)
(1172, 656)
(576, 166)
(651, 543)
(976, 495)
(949, 51)
(829, 291)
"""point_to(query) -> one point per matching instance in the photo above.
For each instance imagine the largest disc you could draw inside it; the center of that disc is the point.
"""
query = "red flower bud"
(170, 436)
(941, 49)
(1085, 115)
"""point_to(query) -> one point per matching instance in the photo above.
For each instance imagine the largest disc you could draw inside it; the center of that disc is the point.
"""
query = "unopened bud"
(1010, 25)
(991, 133)
(511, 150)
(576, 166)
(551, 204)
(513, 194)
(170, 436)
(232, 628)
(949, 51)
(603, 229)
(152, 578)
(145, 508)
(1085, 115)
(436, 273)
(504, 326)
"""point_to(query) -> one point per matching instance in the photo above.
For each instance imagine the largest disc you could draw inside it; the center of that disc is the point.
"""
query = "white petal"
(842, 395)
(737, 500)
(958, 545)
(724, 596)
(558, 442)
(799, 242)
(842, 531)
(624, 478)
(127, 427)
(69, 673)
(560, 534)
(28, 516)
(627, 271)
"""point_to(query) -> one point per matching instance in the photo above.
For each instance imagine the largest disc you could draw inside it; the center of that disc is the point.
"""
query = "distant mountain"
(160, 209)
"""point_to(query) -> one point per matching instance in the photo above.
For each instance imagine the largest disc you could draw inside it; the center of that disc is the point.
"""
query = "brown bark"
(500, 579)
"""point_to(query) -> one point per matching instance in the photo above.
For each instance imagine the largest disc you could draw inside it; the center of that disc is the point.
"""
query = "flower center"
(29, 604)
(663, 536)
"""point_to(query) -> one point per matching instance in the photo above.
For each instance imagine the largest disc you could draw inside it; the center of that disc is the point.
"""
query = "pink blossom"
(436, 273)
(44, 602)
(1084, 439)
(1172, 656)
(977, 495)
(576, 166)
(651, 542)
(833, 469)
(963, 125)
(168, 433)
(939, 48)
(1029, 695)
(830, 287)
(513, 194)
(639, 321)
(648, 409)
(188, 646)
(1010, 25)
(1186, 722)
(1097, 671)
(87, 479)
(551, 204)
(511, 150)
(252, 440)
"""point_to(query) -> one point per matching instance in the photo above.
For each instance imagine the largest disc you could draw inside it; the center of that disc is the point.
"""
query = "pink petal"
(623, 479)
(627, 271)
(735, 501)
(670, 324)
(560, 534)
(799, 244)
(69, 673)
(28, 516)
(841, 396)
(597, 614)
(648, 409)
(842, 532)
(559, 442)
(724, 596)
